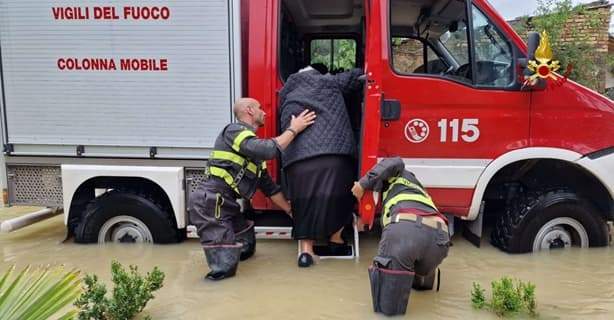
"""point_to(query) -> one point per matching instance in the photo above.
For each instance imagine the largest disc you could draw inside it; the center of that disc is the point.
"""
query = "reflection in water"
(570, 284)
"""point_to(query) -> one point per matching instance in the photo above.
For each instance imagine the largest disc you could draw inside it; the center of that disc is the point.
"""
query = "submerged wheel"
(126, 217)
(549, 220)
(125, 229)
(560, 233)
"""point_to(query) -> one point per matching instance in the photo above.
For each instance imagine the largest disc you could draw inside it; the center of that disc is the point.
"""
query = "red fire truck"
(111, 112)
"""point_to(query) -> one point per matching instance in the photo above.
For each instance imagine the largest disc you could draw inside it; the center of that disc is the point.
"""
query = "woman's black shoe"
(305, 260)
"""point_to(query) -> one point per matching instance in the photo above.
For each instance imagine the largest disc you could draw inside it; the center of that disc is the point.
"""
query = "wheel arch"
(517, 158)
(79, 183)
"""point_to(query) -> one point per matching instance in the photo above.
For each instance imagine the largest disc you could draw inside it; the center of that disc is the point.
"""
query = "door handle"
(390, 109)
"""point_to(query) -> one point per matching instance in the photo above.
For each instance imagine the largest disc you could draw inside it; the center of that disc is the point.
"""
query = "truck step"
(273, 232)
(261, 232)
(351, 251)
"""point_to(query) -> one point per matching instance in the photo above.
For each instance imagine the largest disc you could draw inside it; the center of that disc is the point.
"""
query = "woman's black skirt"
(321, 197)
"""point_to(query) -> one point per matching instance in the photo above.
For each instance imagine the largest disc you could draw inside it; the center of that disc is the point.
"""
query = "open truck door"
(369, 136)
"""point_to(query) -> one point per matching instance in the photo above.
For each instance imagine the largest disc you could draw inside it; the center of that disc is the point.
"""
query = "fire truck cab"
(445, 92)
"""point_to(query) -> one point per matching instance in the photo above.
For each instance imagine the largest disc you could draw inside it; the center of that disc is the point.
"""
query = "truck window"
(337, 55)
(493, 53)
(456, 43)
(455, 40)
(439, 32)
(408, 57)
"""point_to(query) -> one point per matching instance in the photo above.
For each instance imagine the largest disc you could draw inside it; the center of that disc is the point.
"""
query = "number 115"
(469, 130)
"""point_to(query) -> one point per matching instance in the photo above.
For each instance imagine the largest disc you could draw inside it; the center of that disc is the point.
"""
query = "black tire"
(155, 216)
(516, 229)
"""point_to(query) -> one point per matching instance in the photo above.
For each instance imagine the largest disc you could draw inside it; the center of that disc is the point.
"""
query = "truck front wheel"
(549, 220)
(127, 217)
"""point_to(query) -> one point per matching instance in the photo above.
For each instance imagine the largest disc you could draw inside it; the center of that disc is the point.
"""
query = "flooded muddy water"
(571, 284)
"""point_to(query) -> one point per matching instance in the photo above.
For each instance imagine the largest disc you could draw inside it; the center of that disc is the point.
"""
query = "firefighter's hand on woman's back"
(297, 125)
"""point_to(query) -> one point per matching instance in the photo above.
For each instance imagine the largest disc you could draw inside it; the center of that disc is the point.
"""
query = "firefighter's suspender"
(236, 144)
(402, 181)
(224, 175)
(421, 197)
(237, 159)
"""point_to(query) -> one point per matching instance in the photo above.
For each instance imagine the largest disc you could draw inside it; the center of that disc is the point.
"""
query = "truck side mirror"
(532, 44)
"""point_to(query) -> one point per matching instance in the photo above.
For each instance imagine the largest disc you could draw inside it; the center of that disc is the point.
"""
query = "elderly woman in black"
(320, 164)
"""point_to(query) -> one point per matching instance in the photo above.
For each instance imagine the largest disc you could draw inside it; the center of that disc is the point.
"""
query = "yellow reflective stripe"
(224, 175)
(404, 197)
(402, 181)
(236, 144)
(253, 168)
(406, 182)
(225, 155)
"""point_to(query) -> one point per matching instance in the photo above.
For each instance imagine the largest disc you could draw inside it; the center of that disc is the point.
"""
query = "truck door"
(370, 133)
(453, 74)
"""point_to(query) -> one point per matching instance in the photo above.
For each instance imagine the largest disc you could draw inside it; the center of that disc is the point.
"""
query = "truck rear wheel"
(549, 220)
(127, 217)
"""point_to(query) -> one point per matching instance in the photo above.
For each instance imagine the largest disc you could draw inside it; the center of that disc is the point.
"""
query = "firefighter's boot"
(248, 239)
(222, 261)
(390, 289)
(424, 282)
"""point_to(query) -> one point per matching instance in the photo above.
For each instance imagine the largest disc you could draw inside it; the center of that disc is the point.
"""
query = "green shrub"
(508, 297)
(130, 294)
(478, 300)
(528, 296)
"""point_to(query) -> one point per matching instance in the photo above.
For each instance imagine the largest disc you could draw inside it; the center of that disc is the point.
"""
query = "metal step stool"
(355, 246)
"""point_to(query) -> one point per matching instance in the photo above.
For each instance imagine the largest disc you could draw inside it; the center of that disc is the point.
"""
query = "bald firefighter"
(236, 168)
(415, 236)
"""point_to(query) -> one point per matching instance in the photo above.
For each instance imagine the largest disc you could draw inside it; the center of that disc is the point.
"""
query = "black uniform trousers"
(408, 255)
(216, 214)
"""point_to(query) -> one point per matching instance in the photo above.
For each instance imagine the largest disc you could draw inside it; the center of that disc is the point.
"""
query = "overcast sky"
(516, 8)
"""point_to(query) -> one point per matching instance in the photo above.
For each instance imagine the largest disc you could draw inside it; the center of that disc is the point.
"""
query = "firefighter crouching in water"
(415, 236)
(235, 169)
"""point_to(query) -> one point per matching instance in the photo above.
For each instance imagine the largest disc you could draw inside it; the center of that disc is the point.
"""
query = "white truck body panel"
(50, 109)
(170, 179)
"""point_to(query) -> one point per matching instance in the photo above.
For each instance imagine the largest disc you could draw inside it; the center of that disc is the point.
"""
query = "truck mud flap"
(472, 230)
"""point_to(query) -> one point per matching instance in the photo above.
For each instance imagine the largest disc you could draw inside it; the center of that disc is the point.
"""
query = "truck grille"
(194, 176)
(35, 185)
